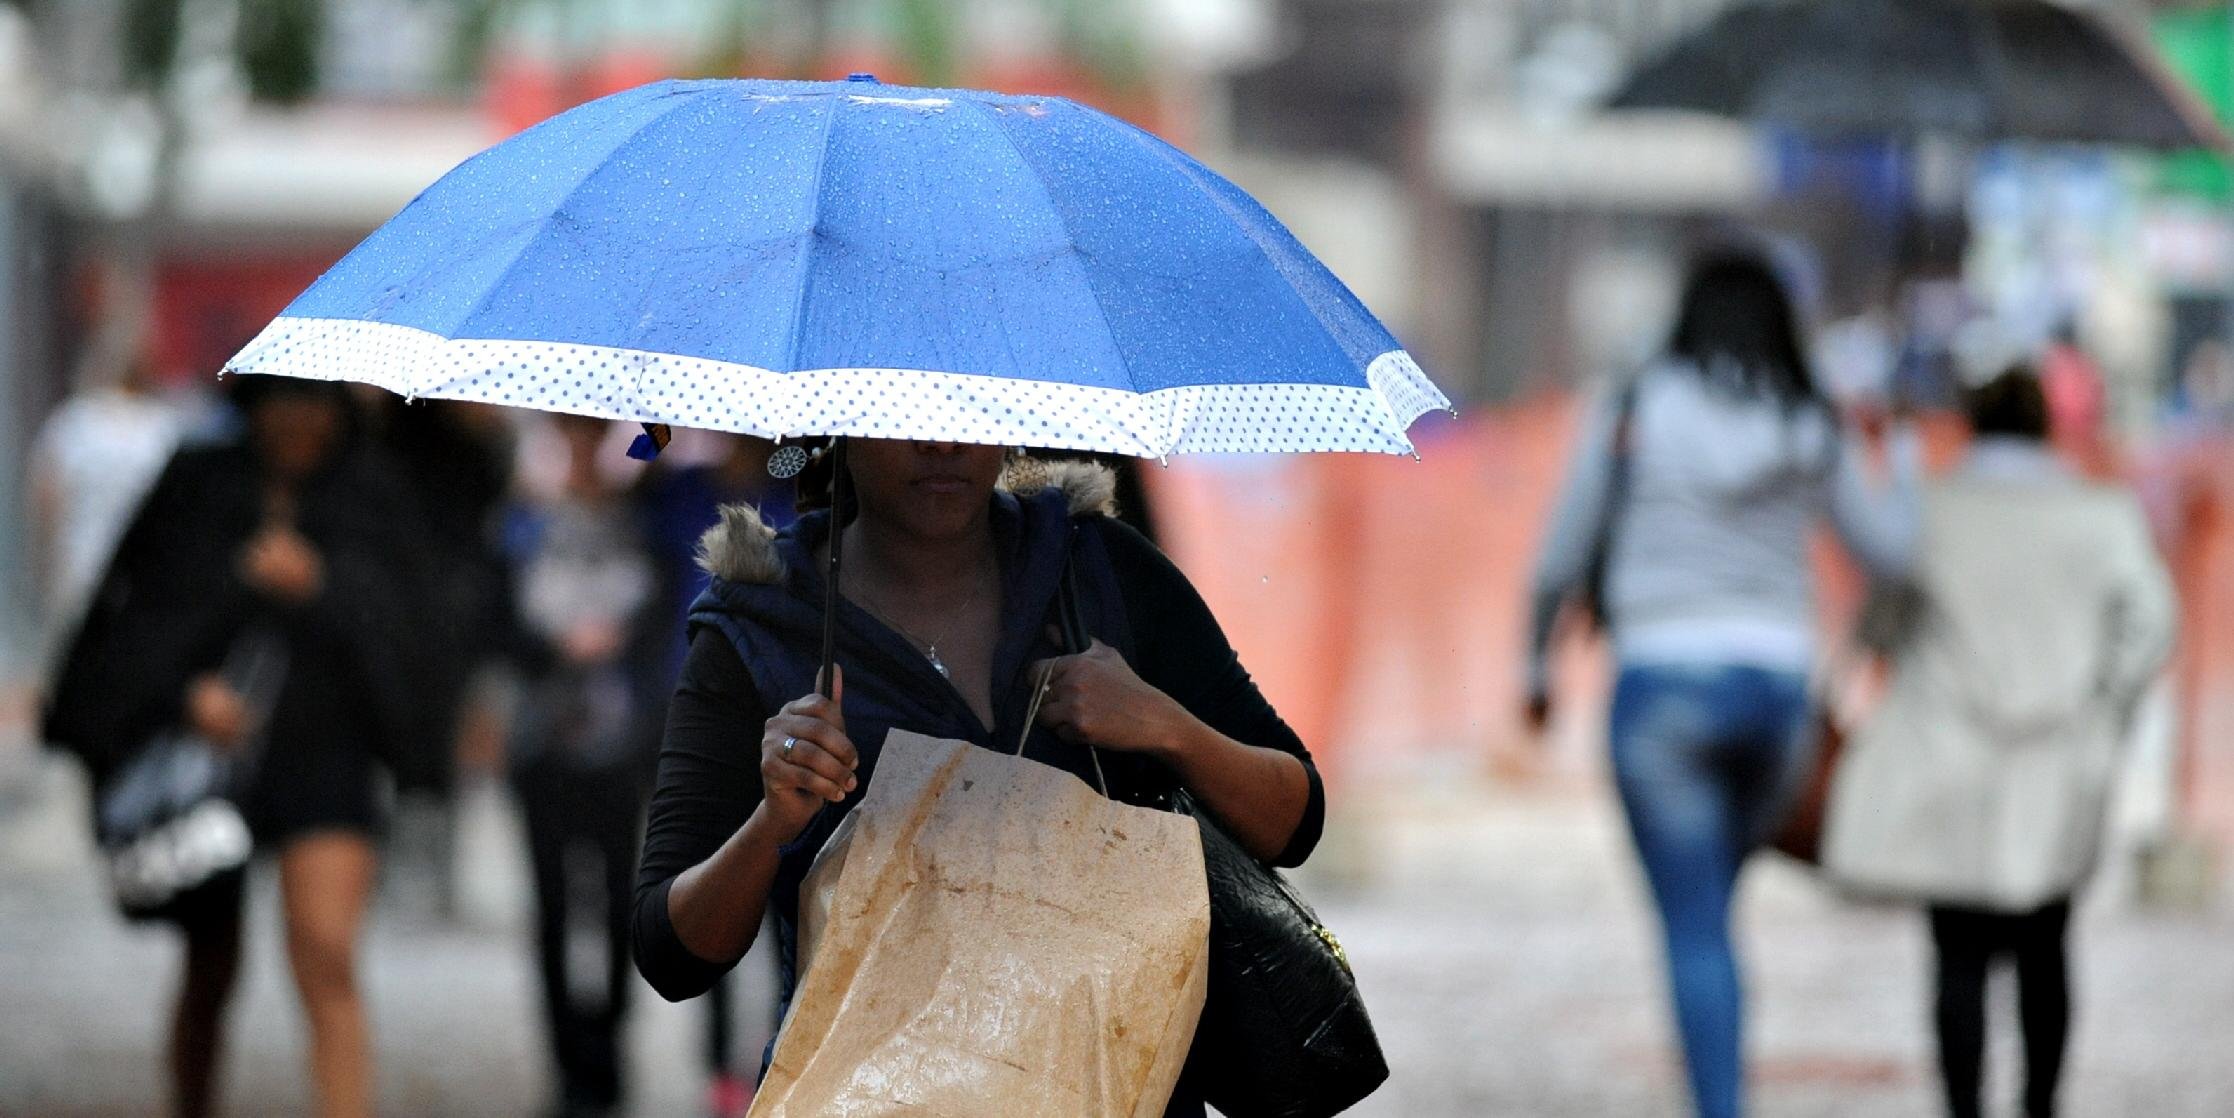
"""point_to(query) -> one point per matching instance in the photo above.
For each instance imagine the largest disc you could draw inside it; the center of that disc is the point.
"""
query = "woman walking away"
(1978, 785)
(1684, 527)
(301, 530)
(948, 589)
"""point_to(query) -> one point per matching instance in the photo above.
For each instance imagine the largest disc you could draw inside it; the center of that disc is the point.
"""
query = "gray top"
(1709, 561)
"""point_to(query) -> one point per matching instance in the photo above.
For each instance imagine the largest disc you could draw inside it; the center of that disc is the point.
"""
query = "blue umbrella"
(850, 258)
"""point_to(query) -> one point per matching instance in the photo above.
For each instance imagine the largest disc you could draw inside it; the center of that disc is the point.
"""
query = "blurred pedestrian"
(581, 744)
(91, 464)
(679, 504)
(2187, 483)
(297, 526)
(1979, 784)
(457, 458)
(2078, 404)
(1684, 527)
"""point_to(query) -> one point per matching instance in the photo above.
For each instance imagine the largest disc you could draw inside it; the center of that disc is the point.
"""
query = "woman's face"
(296, 433)
(925, 489)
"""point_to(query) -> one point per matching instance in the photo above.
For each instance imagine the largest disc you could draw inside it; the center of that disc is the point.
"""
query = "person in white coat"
(1978, 785)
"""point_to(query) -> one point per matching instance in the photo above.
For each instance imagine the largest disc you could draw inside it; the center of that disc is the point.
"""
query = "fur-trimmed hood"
(742, 546)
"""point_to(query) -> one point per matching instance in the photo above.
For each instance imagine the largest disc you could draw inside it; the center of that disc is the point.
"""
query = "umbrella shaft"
(840, 489)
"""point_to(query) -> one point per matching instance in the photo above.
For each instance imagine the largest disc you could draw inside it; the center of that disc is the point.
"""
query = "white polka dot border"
(641, 386)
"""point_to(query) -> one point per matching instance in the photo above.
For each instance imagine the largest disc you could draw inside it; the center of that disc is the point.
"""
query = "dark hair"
(2011, 404)
(248, 390)
(1736, 324)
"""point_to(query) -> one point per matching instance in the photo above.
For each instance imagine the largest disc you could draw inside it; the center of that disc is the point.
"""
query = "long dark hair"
(2012, 404)
(1736, 327)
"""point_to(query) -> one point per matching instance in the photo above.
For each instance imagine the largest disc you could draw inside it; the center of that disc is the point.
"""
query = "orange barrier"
(1379, 601)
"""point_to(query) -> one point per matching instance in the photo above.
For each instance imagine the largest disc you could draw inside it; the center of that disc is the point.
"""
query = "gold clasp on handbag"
(1326, 936)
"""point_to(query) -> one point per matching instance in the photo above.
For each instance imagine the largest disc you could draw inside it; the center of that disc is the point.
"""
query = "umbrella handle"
(841, 484)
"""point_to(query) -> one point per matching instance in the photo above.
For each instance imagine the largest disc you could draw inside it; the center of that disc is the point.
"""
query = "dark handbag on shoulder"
(168, 821)
(1283, 1033)
(1800, 835)
(1890, 614)
(1593, 590)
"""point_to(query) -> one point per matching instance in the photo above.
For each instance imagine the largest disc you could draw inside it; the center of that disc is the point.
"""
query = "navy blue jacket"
(772, 626)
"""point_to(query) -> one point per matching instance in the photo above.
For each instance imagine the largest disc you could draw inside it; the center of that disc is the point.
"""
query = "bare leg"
(324, 880)
(212, 969)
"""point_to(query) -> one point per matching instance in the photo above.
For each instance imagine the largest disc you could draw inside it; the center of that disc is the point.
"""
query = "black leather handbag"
(1283, 1033)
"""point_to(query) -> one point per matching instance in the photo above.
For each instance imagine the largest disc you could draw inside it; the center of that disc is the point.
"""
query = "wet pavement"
(1499, 937)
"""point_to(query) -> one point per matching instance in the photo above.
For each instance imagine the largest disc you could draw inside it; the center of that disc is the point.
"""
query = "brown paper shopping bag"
(985, 937)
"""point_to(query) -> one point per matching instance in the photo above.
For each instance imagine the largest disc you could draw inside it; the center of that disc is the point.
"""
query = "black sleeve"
(162, 611)
(708, 785)
(1180, 650)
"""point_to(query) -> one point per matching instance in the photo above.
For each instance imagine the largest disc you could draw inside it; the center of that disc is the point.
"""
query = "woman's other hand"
(280, 564)
(217, 712)
(806, 760)
(1094, 697)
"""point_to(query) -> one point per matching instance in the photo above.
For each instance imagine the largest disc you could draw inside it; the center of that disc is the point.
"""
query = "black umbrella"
(1985, 69)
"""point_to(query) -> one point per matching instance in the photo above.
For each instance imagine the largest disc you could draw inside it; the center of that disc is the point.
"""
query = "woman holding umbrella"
(953, 581)
(930, 275)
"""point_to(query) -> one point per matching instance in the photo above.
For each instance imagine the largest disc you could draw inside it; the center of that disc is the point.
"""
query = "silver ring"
(788, 745)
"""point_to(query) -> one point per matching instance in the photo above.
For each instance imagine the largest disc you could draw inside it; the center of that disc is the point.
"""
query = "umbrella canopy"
(1989, 69)
(850, 258)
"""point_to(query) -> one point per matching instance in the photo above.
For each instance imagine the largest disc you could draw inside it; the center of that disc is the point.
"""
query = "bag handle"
(1071, 625)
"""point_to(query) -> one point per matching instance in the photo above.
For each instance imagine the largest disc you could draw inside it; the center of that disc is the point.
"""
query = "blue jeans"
(1704, 757)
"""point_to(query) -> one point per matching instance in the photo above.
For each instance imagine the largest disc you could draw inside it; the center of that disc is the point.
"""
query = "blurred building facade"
(1447, 156)
(164, 192)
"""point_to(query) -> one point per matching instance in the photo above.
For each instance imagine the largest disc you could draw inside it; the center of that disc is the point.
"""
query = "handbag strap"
(1070, 623)
(1615, 500)
(256, 666)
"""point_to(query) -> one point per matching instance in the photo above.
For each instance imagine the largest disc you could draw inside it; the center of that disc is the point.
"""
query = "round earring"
(788, 462)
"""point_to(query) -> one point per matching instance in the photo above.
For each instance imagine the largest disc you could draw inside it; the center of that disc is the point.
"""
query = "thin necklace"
(929, 648)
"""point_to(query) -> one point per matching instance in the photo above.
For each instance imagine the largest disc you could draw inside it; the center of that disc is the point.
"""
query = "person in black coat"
(456, 461)
(943, 629)
(298, 529)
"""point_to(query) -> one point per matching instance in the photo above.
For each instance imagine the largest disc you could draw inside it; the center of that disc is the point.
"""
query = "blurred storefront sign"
(1641, 162)
(339, 168)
